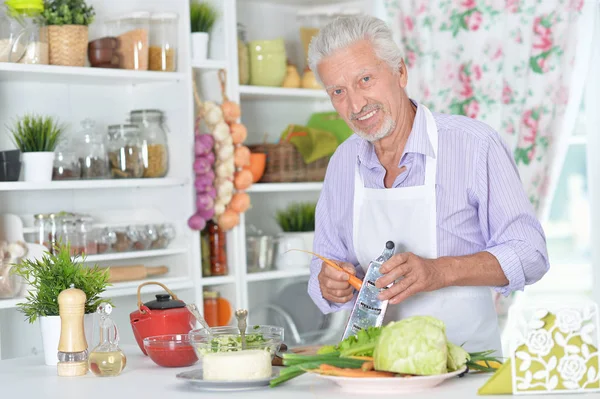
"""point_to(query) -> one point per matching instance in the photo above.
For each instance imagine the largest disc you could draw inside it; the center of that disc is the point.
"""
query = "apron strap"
(431, 162)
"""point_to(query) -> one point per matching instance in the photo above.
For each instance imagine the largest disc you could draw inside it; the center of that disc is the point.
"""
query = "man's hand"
(334, 283)
(420, 275)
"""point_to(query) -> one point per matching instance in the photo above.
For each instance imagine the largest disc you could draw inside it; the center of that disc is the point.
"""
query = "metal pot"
(259, 253)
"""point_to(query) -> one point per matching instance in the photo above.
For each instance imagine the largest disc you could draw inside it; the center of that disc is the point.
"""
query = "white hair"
(347, 30)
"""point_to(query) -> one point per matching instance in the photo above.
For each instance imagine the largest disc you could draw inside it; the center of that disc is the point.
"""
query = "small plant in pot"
(67, 22)
(36, 137)
(297, 222)
(202, 18)
(47, 277)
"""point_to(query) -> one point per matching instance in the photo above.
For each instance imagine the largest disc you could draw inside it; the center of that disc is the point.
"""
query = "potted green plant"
(202, 18)
(297, 222)
(36, 137)
(67, 22)
(46, 278)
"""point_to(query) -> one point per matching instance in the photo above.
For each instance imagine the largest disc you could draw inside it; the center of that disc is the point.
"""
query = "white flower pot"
(37, 166)
(50, 327)
(294, 259)
(199, 46)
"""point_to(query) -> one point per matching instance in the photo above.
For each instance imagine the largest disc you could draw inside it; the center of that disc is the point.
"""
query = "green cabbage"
(416, 345)
(457, 357)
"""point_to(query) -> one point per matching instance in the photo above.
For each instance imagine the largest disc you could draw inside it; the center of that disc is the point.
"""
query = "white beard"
(386, 128)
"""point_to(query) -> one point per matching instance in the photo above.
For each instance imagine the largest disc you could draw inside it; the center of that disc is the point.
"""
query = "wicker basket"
(285, 164)
(68, 44)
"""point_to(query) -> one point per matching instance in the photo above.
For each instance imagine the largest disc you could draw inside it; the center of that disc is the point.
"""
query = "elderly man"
(443, 188)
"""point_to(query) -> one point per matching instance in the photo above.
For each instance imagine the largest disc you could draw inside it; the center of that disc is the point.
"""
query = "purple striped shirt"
(481, 203)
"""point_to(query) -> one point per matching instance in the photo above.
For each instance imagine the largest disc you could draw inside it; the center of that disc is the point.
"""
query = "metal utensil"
(369, 310)
(194, 310)
(241, 315)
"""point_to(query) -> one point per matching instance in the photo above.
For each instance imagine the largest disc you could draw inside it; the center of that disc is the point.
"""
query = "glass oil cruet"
(107, 359)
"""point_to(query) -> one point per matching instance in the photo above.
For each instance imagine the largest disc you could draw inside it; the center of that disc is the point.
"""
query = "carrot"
(353, 280)
(355, 373)
(367, 366)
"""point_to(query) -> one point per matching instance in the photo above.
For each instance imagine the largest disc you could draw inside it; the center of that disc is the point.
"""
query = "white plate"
(194, 377)
(394, 385)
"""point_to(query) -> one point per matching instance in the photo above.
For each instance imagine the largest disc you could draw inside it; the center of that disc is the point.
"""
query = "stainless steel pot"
(259, 253)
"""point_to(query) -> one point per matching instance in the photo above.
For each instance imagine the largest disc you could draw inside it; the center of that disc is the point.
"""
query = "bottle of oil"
(107, 359)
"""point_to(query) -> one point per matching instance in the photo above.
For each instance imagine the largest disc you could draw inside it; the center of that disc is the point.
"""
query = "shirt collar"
(418, 141)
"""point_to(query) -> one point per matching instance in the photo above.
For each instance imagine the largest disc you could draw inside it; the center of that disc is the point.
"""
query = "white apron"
(407, 216)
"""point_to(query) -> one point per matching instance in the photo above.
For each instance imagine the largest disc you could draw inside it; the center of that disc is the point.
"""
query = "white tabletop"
(31, 378)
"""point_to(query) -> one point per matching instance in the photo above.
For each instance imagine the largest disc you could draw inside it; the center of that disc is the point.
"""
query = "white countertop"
(31, 378)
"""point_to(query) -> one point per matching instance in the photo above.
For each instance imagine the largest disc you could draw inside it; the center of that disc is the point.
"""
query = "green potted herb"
(67, 22)
(297, 223)
(36, 137)
(46, 278)
(202, 18)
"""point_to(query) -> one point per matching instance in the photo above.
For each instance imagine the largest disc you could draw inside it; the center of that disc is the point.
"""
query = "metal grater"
(368, 310)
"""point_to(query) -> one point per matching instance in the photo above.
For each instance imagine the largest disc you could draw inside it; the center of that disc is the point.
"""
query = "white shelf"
(82, 75)
(209, 64)
(258, 92)
(278, 274)
(123, 289)
(134, 254)
(91, 184)
(130, 287)
(10, 303)
(217, 280)
(284, 187)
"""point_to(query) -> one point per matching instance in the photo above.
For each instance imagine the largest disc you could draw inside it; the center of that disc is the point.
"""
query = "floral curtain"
(507, 63)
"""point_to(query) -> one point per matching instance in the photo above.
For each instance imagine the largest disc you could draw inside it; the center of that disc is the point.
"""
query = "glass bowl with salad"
(229, 339)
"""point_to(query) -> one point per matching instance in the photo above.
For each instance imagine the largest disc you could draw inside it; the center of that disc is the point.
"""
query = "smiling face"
(364, 90)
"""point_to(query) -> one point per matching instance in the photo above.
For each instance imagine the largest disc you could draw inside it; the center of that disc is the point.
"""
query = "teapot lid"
(164, 301)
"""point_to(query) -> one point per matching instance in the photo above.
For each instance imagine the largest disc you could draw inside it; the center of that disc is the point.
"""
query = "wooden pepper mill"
(72, 347)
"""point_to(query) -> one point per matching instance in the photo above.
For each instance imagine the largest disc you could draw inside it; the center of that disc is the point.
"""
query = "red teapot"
(167, 314)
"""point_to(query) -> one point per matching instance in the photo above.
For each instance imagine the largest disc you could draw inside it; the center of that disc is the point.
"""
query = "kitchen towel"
(312, 144)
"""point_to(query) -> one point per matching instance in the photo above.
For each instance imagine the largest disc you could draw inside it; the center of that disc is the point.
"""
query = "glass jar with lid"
(23, 38)
(163, 42)
(86, 238)
(125, 151)
(106, 238)
(69, 235)
(66, 165)
(132, 31)
(164, 233)
(154, 141)
(93, 157)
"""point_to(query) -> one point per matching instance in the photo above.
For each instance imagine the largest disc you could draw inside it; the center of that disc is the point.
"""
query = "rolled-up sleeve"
(327, 241)
(512, 231)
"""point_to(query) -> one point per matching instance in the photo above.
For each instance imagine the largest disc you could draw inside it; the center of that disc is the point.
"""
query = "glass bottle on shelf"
(66, 165)
(211, 308)
(53, 228)
(205, 251)
(125, 151)
(70, 236)
(39, 226)
(163, 42)
(107, 359)
(93, 157)
(243, 57)
(154, 141)
(218, 249)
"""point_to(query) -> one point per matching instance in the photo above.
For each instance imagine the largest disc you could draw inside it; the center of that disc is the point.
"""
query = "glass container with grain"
(163, 42)
(154, 141)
